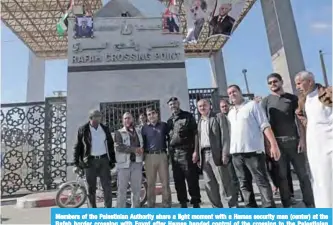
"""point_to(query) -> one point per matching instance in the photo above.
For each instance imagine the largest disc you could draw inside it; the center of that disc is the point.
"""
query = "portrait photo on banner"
(225, 14)
(218, 16)
(197, 14)
(84, 27)
(171, 19)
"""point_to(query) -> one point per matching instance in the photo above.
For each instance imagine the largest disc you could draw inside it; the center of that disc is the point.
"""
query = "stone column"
(36, 78)
(285, 48)
(219, 78)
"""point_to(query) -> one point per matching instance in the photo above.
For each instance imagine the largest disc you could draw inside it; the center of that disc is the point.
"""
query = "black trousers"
(253, 165)
(99, 168)
(289, 155)
(273, 170)
(185, 170)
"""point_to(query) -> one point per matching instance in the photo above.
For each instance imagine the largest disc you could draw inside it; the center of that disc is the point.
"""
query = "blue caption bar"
(203, 216)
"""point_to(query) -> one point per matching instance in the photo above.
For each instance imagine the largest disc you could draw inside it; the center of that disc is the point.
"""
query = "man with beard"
(183, 134)
(315, 111)
(280, 109)
(129, 156)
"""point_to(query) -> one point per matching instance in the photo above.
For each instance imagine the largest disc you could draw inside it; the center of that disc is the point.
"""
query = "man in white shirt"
(316, 105)
(94, 152)
(248, 123)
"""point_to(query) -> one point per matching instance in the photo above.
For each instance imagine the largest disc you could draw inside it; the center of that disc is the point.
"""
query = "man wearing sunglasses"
(94, 152)
(280, 109)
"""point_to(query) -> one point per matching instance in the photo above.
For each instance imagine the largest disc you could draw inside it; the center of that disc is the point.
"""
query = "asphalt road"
(13, 215)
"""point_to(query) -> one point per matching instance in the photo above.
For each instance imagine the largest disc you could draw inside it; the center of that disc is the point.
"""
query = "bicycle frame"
(81, 180)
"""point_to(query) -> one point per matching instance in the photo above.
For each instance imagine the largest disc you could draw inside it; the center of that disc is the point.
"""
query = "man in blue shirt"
(155, 137)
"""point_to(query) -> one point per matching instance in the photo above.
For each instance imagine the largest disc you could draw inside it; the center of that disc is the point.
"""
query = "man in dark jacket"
(183, 131)
(212, 152)
(222, 23)
(94, 152)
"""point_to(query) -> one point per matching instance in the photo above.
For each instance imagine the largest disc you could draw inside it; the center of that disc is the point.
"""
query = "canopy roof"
(34, 22)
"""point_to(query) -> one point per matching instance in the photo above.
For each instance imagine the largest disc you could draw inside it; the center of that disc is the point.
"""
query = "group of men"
(232, 149)
(153, 144)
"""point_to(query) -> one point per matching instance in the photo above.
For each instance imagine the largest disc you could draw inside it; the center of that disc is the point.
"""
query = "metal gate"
(211, 94)
(113, 111)
(202, 93)
(33, 146)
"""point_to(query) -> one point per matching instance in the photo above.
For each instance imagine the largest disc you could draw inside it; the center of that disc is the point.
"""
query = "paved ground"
(13, 215)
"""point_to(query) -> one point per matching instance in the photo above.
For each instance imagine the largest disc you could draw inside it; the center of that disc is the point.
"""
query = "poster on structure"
(84, 27)
(197, 14)
(218, 15)
(171, 19)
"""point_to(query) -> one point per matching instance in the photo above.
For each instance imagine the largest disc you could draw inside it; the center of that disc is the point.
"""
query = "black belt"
(99, 156)
(206, 149)
(156, 151)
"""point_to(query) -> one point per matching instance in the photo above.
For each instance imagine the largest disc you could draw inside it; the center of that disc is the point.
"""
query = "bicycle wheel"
(71, 195)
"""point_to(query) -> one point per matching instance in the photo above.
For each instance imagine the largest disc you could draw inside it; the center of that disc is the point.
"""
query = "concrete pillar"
(36, 78)
(285, 48)
(219, 78)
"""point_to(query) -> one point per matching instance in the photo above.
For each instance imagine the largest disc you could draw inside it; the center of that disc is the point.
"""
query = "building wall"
(285, 48)
(92, 82)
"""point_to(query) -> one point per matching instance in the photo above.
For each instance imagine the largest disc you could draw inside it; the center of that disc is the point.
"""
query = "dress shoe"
(183, 205)
(196, 205)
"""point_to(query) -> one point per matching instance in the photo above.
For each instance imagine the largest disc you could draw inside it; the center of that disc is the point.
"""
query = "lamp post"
(323, 67)
(244, 71)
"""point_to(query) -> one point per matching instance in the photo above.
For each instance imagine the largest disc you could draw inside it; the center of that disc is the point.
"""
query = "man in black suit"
(94, 152)
(222, 23)
(172, 25)
(84, 29)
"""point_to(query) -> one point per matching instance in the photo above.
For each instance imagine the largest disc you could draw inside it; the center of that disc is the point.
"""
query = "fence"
(33, 146)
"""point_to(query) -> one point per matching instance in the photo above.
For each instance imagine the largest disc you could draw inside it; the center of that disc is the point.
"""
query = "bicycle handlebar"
(70, 164)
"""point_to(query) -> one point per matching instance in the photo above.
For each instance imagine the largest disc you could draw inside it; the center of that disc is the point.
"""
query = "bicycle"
(80, 184)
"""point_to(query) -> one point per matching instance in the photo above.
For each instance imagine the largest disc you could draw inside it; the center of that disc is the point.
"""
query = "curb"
(47, 199)
(8, 202)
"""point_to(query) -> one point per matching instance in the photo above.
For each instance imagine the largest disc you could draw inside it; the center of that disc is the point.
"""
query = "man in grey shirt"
(280, 109)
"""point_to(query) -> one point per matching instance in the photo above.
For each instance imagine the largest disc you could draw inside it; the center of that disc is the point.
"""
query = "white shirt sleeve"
(260, 116)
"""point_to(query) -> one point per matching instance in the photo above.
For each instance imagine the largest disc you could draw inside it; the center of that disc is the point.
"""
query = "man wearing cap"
(94, 152)
(128, 145)
(183, 131)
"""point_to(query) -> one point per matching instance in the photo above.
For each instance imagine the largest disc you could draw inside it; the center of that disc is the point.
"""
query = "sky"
(247, 48)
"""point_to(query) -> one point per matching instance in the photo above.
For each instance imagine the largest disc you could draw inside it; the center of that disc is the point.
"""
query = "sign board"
(125, 41)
